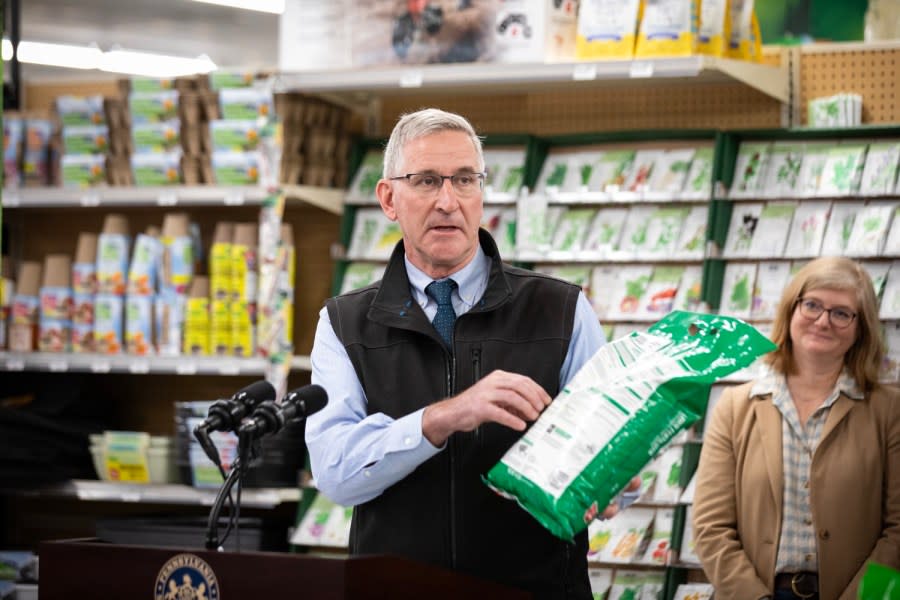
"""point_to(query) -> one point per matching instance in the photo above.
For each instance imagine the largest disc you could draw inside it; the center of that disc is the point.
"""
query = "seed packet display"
(815, 155)
(554, 171)
(616, 414)
(571, 229)
(870, 229)
(660, 542)
(362, 188)
(366, 225)
(737, 289)
(668, 465)
(611, 170)
(807, 229)
(890, 298)
(741, 229)
(842, 170)
(698, 185)
(505, 173)
(669, 175)
(604, 280)
(839, 228)
(692, 238)
(770, 236)
(689, 297)
(628, 292)
(661, 291)
(500, 222)
(694, 591)
(781, 175)
(892, 243)
(878, 273)
(624, 533)
(663, 231)
(880, 171)
(600, 580)
(639, 175)
(890, 370)
(533, 224)
(604, 232)
(634, 240)
(771, 278)
(752, 159)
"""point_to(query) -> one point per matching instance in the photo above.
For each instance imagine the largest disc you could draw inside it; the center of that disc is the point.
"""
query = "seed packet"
(771, 232)
(633, 396)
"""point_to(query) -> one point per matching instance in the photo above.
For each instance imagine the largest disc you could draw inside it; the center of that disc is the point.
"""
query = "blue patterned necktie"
(440, 292)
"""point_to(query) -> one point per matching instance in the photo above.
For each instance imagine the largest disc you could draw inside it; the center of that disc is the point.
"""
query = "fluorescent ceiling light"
(128, 62)
(154, 65)
(60, 55)
(268, 6)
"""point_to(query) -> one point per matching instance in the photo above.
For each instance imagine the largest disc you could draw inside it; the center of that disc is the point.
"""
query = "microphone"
(270, 417)
(226, 415)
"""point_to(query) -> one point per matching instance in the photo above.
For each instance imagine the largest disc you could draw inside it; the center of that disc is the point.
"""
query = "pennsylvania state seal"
(186, 577)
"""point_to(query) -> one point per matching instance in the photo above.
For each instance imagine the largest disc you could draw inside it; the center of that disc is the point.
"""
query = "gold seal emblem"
(186, 577)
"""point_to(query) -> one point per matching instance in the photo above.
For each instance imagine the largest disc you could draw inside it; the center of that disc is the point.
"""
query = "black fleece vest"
(443, 513)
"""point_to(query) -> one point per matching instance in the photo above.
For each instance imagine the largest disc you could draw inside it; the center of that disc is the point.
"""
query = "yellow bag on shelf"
(668, 28)
(715, 27)
(606, 28)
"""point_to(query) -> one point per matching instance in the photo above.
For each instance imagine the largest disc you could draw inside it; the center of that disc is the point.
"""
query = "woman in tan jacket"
(798, 486)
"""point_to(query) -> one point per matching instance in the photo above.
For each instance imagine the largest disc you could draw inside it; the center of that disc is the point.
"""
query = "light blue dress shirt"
(355, 456)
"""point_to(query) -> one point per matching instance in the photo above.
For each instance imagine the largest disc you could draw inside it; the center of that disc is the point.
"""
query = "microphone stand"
(242, 462)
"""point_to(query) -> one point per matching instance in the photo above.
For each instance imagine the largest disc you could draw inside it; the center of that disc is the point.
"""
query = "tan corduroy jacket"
(854, 493)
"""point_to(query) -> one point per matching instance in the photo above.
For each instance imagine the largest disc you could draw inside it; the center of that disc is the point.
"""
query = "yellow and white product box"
(715, 27)
(220, 262)
(126, 456)
(112, 262)
(606, 28)
(139, 325)
(169, 313)
(145, 259)
(178, 264)
(243, 330)
(220, 328)
(108, 314)
(197, 327)
(744, 38)
(668, 28)
(244, 269)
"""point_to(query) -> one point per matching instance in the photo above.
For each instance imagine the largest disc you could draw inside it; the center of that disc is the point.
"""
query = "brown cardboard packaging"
(23, 329)
(56, 304)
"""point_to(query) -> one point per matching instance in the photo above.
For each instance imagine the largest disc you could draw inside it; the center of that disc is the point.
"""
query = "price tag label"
(167, 198)
(130, 497)
(101, 366)
(584, 72)
(91, 198)
(640, 69)
(58, 366)
(139, 367)
(229, 369)
(10, 198)
(411, 79)
(187, 368)
(15, 364)
(234, 198)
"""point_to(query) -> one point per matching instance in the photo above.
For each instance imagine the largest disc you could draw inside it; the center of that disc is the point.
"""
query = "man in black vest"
(433, 372)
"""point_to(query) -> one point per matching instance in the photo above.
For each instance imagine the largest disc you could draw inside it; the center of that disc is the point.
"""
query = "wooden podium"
(89, 568)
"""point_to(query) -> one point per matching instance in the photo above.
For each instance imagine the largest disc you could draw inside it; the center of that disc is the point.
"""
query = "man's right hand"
(506, 398)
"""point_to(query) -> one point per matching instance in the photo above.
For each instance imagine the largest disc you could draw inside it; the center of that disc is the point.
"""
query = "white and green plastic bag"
(619, 410)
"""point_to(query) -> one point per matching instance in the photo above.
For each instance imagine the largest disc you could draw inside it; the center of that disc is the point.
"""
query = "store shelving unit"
(138, 365)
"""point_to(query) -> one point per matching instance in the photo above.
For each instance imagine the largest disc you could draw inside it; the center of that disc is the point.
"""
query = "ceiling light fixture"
(268, 6)
(127, 62)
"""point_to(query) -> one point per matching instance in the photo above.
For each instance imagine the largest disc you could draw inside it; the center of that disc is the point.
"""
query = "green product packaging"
(619, 410)
(879, 583)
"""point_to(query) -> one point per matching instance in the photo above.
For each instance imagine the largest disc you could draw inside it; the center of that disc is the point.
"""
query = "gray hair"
(413, 126)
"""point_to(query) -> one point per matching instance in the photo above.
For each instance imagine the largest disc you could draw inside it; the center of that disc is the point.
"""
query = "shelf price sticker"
(90, 198)
(234, 198)
(139, 367)
(412, 79)
(15, 364)
(101, 366)
(58, 366)
(640, 69)
(229, 368)
(186, 368)
(167, 198)
(584, 72)
(11, 198)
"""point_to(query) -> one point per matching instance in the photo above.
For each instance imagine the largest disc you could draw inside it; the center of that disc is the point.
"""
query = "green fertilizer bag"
(613, 417)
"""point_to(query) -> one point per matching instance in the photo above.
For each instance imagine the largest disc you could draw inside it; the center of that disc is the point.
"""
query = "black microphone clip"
(271, 417)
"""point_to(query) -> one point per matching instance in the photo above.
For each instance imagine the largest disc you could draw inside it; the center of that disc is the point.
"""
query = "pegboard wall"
(871, 70)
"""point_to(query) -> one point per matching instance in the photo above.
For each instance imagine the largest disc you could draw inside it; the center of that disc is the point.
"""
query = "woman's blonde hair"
(863, 359)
